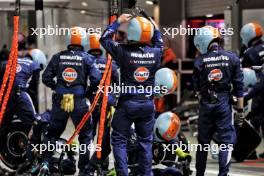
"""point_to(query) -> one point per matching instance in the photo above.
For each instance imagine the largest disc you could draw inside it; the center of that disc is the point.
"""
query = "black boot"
(22, 168)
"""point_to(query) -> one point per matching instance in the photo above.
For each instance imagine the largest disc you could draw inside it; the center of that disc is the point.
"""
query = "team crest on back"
(141, 74)
(215, 75)
(69, 74)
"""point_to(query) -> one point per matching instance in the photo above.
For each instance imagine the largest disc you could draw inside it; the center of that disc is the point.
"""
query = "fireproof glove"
(111, 112)
(67, 103)
(181, 153)
(111, 172)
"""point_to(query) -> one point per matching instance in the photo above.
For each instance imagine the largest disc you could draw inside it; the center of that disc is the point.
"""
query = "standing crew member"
(251, 35)
(215, 72)
(100, 63)
(138, 61)
(96, 50)
(71, 69)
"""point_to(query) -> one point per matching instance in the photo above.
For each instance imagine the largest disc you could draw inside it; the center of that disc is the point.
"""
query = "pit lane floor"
(248, 168)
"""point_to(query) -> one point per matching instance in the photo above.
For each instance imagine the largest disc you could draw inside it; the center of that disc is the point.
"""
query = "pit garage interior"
(94, 14)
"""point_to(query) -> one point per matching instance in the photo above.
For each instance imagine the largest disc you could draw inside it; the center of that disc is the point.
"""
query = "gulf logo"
(215, 75)
(141, 74)
(18, 68)
(69, 74)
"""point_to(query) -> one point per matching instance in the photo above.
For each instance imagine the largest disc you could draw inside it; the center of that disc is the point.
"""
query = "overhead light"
(85, 4)
(149, 2)
(83, 12)
(209, 15)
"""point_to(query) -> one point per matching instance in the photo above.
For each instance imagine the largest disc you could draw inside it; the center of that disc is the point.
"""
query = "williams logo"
(141, 74)
(69, 74)
(215, 75)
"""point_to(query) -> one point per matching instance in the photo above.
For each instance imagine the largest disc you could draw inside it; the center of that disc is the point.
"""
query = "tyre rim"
(17, 143)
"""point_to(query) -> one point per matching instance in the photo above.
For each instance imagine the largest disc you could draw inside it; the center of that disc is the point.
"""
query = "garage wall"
(251, 4)
(6, 28)
(4, 32)
(201, 7)
(172, 15)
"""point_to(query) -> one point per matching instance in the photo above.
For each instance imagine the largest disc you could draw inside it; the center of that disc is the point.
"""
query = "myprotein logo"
(69, 74)
(215, 75)
(141, 74)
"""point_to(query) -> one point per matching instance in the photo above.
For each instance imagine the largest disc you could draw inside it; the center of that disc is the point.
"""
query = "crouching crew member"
(95, 49)
(71, 69)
